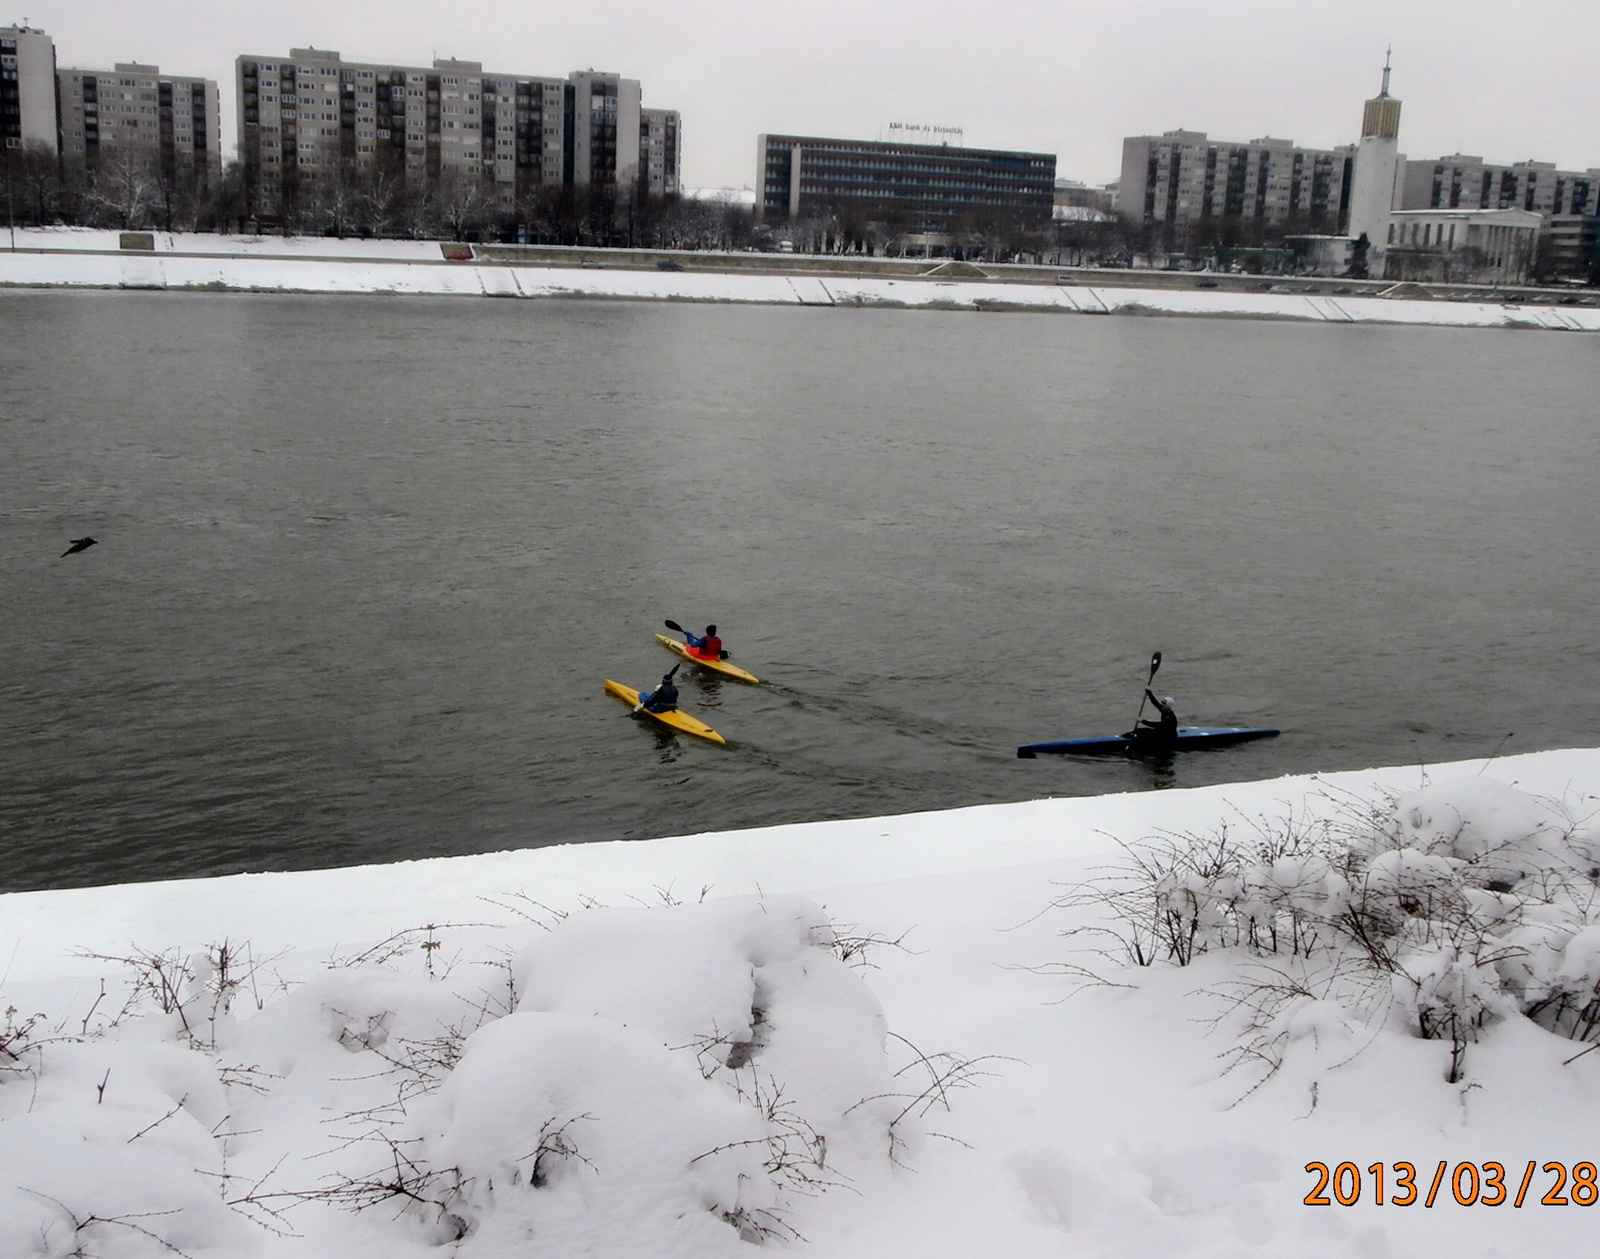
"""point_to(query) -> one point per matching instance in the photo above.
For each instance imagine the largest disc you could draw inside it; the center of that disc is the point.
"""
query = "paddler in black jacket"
(664, 698)
(1165, 726)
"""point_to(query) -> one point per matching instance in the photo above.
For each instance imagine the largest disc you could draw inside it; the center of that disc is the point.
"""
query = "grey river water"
(364, 563)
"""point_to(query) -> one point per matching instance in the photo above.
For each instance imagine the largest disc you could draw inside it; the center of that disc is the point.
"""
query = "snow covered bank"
(87, 259)
(872, 1035)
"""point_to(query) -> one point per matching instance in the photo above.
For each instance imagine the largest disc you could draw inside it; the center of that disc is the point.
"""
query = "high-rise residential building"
(168, 120)
(1460, 181)
(922, 187)
(660, 136)
(1375, 190)
(28, 89)
(1183, 178)
(312, 118)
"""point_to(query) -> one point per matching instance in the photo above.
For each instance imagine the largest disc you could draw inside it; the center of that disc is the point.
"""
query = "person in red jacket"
(706, 646)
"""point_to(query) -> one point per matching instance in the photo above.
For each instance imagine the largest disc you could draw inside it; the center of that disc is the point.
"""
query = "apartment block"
(925, 187)
(170, 120)
(27, 89)
(312, 117)
(660, 136)
(1183, 177)
(1461, 181)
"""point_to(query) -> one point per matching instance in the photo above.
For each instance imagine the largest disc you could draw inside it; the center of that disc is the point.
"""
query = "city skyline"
(1068, 78)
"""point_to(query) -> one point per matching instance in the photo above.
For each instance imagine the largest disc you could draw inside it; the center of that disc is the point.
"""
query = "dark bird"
(78, 544)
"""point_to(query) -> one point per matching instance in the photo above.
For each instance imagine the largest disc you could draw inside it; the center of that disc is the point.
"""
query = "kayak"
(677, 719)
(1187, 737)
(721, 666)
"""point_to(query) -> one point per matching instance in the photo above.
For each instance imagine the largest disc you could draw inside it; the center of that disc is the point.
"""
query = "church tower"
(1375, 181)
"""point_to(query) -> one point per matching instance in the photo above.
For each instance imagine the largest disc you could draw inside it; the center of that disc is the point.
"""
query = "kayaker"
(664, 699)
(1165, 726)
(707, 646)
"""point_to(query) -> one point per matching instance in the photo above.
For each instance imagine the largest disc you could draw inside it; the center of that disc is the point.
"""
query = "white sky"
(1506, 81)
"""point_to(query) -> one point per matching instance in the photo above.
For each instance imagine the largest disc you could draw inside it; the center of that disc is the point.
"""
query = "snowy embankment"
(265, 264)
(893, 1036)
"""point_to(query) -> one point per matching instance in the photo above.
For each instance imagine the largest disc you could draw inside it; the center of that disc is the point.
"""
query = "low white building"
(1462, 246)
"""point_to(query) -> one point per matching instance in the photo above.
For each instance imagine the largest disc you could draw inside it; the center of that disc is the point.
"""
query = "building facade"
(312, 118)
(919, 188)
(28, 89)
(1571, 246)
(1460, 181)
(169, 121)
(1184, 177)
(1462, 246)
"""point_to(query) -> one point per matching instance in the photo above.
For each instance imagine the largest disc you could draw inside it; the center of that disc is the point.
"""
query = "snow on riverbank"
(81, 258)
(868, 1034)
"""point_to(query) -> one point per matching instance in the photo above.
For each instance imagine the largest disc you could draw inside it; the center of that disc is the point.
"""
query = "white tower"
(1374, 185)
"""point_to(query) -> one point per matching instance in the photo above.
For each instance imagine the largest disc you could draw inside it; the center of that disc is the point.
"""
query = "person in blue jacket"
(664, 699)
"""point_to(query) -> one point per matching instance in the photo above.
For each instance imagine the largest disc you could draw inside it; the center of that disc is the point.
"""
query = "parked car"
(666, 264)
(1207, 283)
(1065, 279)
(589, 264)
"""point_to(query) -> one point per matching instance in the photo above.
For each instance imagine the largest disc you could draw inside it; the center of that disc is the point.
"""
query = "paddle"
(1155, 663)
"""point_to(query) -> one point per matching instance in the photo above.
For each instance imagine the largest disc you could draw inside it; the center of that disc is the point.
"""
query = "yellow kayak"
(721, 666)
(677, 719)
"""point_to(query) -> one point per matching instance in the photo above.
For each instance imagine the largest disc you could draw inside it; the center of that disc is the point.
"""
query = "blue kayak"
(1187, 737)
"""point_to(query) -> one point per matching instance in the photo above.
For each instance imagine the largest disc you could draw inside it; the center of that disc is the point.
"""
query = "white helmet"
(1169, 701)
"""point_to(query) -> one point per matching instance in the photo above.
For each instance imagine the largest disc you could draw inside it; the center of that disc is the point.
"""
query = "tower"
(1377, 169)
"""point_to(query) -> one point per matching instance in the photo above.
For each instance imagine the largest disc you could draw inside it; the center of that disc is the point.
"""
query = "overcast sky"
(1505, 80)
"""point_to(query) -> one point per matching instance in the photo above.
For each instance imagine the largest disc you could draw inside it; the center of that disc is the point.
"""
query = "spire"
(1388, 56)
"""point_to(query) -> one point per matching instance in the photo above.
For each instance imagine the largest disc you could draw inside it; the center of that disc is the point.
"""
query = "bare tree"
(123, 186)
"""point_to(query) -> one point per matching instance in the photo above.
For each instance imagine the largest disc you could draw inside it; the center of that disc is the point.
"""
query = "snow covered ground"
(863, 1038)
(92, 259)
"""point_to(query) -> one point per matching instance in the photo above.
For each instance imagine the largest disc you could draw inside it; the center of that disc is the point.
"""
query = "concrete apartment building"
(306, 119)
(27, 89)
(1460, 181)
(921, 188)
(170, 121)
(1184, 177)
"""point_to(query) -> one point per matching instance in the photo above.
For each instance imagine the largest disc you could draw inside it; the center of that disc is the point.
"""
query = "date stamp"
(1465, 1184)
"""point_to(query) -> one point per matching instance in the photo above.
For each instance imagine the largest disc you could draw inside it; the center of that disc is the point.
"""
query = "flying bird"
(78, 544)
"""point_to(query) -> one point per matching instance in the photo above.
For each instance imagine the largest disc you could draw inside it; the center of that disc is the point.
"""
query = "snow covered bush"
(1453, 906)
(672, 1080)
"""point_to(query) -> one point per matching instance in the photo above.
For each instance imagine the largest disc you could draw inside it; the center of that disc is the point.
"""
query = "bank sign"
(915, 131)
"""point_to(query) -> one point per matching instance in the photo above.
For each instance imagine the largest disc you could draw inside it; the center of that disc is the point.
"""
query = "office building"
(28, 89)
(312, 117)
(1184, 177)
(1572, 246)
(916, 188)
(170, 121)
